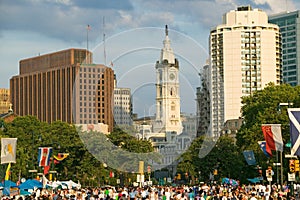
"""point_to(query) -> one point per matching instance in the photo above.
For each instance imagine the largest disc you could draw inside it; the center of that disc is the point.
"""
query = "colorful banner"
(294, 116)
(262, 145)
(44, 156)
(273, 137)
(60, 157)
(8, 150)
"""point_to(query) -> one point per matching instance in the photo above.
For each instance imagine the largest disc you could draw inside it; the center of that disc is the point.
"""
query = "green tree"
(262, 108)
(225, 158)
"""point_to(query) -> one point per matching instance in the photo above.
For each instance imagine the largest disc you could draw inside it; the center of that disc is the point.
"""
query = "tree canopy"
(226, 157)
(81, 164)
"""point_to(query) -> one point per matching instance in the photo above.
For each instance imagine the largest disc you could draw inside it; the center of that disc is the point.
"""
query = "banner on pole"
(44, 156)
(273, 137)
(8, 150)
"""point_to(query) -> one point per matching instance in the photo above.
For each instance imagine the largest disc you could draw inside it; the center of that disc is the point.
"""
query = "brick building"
(66, 86)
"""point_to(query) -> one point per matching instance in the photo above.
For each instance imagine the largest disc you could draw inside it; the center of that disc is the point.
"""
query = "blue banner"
(249, 157)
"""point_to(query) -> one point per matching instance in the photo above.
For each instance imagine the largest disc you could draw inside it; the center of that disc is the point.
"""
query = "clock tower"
(167, 117)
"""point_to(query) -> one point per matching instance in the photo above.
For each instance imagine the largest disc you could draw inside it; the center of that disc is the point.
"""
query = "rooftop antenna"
(88, 28)
(104, 50)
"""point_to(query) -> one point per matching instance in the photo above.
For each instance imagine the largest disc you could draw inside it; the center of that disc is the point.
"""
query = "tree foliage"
(263, 108)
(224, 158)
(227, 154)
(81, 164)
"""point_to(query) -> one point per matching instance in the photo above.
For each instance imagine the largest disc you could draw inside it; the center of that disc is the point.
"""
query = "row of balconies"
(251, 83)
(257, 41)
(250, 51)
(253, 73)
(252, 76)
(251, 68)
(250, 34)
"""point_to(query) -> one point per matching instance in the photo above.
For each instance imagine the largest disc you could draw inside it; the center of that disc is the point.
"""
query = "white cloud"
(276, 6)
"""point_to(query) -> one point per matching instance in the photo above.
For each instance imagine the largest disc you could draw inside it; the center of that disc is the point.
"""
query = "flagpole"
(104, 48)
(281, 168)
(277, 171)
(87, 43)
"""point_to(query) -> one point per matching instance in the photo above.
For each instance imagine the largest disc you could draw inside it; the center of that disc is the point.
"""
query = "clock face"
(172, 76)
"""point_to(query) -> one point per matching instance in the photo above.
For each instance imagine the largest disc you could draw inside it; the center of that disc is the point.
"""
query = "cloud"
(59, 19)
(104, 4)
(67, 19)
(274, 6)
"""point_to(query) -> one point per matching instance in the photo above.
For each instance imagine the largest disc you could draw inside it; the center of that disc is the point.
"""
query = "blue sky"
(134, 30)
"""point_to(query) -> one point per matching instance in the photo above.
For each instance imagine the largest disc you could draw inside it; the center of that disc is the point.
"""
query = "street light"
(33, 170)
(52, 164)
(284, 104)
(2, 126)
(279, 110)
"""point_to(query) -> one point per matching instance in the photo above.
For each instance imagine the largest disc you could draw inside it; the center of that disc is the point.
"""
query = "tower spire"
(166, 30)
(167, 52)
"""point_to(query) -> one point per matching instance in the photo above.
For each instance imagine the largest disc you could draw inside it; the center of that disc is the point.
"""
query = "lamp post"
(279, 110)
(2, 127)
(33, 170)
(52, 164)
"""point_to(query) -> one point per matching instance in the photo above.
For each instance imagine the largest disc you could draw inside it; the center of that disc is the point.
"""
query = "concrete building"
(5, 104)
(203, 102)
(189, 124)
(122, 106)
(66, 86)
(289, 24)
(245, 55)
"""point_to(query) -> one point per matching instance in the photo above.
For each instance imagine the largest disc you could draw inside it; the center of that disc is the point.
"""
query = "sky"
(133, 29)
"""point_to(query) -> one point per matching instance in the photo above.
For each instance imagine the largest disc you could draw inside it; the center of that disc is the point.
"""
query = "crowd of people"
(184, 192)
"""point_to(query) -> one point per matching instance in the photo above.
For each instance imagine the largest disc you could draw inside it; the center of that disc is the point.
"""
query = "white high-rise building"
(245, 55)
(167, 91)
(122, 106)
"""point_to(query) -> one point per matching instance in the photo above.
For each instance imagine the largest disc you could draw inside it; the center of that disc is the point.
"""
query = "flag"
(46, 169)
(262, 145)
(45, 181)
(8, 150)
(60, 157)
(294, 116)
(88, 27)
(7, 173)
(44, 156)
(111, 174)
(111, 64)
(249, 157)
(272, 134)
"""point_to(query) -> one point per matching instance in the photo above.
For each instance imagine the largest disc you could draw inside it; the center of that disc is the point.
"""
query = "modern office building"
(64, 86)
(289, 24)
(245, 55)
(5, 104)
